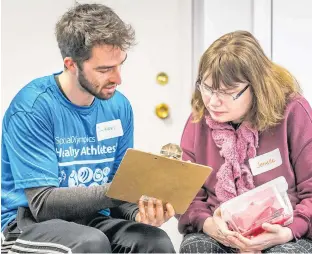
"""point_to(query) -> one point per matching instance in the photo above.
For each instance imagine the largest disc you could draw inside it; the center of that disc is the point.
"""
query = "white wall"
(292, 40)
(24, 54)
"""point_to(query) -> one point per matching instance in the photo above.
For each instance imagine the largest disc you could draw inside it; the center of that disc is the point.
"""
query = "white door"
(292, 40)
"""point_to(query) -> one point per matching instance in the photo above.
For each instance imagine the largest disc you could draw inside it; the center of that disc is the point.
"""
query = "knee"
(93, 241)
(155, 240)
(201, 243)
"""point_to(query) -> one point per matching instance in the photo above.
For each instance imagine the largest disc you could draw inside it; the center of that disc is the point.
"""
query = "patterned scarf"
(234, 176)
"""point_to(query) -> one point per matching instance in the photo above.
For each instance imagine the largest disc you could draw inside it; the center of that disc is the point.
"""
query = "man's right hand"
(217, 228)
(153, 213)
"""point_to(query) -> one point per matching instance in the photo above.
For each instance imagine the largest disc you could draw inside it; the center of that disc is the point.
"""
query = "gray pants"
(101, 234)
(202, 243)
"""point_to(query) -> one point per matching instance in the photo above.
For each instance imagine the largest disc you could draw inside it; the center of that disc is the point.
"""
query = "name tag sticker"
(265, 162)
(110, 129)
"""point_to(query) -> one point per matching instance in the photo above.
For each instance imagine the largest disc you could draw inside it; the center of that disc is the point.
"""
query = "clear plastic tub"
(266, 203)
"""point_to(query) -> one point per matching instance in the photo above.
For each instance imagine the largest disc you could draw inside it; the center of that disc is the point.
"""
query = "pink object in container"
(266, 203)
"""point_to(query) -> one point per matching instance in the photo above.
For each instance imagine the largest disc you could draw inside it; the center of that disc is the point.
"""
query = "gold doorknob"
(162, 110)
(162, 78)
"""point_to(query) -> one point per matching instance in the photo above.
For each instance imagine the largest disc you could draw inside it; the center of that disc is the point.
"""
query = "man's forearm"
(68, 203)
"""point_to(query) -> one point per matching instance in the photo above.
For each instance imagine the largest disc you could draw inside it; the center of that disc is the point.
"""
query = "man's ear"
(70, 64)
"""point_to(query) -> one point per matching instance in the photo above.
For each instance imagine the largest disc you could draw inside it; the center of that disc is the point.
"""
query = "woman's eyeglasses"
(222, 95)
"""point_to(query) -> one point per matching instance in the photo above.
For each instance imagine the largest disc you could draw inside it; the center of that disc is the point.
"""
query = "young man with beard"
(64, 136)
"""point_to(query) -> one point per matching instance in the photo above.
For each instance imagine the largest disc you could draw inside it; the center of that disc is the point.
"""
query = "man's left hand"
(153, 213)
(274, 235)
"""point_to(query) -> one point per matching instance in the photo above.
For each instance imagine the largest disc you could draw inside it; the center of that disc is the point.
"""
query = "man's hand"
(153, 213)
(217, 228)
(274, 235)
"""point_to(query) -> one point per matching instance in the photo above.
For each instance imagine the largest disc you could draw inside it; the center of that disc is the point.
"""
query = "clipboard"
(170, 180)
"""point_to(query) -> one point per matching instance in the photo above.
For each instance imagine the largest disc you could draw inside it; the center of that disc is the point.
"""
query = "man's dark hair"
(88, 25)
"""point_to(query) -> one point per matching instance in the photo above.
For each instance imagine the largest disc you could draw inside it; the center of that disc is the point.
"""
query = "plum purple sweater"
(293, 138)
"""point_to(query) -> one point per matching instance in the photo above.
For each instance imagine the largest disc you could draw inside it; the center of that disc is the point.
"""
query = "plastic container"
(266, 203)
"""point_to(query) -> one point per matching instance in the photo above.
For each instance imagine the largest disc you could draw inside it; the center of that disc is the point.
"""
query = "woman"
(245, 106)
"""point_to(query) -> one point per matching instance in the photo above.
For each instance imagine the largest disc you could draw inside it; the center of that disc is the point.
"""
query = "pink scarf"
(234, 176)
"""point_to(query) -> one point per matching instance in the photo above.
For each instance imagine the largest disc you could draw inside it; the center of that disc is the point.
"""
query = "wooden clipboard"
(170, 180)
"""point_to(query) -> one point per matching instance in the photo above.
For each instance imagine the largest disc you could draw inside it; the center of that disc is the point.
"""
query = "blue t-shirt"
(48, 141)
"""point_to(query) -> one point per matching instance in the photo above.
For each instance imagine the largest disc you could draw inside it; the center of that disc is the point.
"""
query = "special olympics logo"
(62, 176)
(85, 174)
(98, 175)
(106, 171)
(72, 179)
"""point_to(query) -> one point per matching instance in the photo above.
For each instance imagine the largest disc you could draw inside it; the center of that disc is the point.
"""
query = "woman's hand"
(217, 228)
(274, 235)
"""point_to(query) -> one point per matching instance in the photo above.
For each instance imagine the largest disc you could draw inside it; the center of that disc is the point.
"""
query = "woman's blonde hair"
(238, 57)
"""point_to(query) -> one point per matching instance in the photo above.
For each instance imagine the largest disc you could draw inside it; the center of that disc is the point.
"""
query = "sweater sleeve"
(299, 123)
(68, 203)
(193, 219)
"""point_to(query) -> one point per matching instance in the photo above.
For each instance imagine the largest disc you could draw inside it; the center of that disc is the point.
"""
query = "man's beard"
(90, 88)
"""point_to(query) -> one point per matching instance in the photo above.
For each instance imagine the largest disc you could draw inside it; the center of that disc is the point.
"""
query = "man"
(63, 138)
